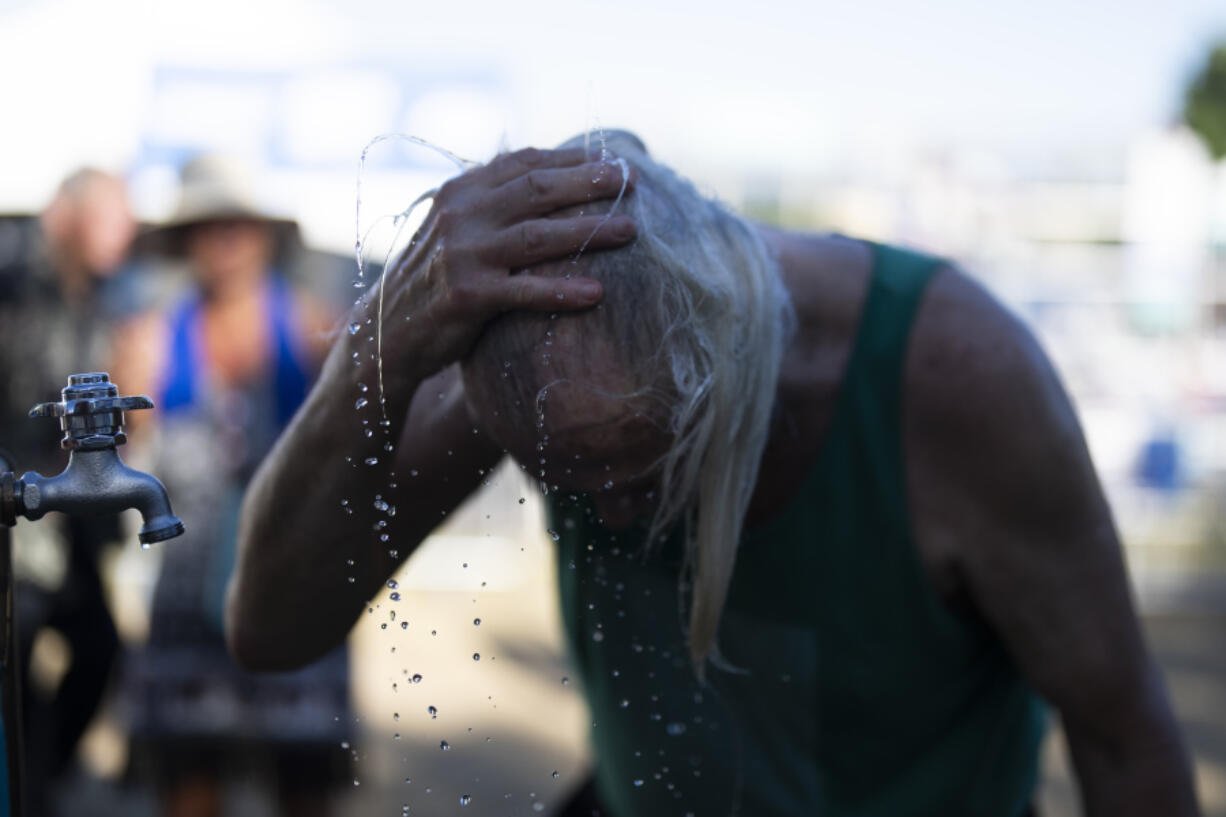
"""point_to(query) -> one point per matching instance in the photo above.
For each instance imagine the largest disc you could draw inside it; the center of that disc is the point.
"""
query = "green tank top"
(853, 691)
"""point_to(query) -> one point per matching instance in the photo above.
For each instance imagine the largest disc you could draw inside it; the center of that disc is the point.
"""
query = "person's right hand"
(465, 266)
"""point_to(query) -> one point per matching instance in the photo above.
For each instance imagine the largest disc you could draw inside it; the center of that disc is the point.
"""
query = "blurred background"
(1070, 157)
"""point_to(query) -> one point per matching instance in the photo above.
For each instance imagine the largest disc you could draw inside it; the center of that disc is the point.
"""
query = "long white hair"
(699, 316)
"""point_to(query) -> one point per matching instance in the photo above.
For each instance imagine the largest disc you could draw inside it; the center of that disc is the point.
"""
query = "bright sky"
(768, 86)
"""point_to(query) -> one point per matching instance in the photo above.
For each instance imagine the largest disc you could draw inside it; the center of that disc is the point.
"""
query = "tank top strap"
(178, 377)
(900, 277)
(872, 390)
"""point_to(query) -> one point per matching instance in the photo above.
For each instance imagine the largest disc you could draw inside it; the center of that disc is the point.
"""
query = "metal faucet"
(96, 480)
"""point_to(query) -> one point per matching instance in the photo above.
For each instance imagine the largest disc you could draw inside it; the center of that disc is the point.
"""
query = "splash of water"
(400, 220)
(625, 169)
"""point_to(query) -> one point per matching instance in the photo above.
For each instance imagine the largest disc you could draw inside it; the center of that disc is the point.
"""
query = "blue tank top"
(181, 381)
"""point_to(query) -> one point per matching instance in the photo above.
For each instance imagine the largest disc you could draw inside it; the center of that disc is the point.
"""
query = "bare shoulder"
(984, 405)
(1004, 494)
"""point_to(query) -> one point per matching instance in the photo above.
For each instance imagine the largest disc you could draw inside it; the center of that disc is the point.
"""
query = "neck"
(827, 278)
(235, 289)
(72, 277)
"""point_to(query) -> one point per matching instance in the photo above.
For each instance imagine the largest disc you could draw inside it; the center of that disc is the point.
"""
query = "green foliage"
(1204, 107)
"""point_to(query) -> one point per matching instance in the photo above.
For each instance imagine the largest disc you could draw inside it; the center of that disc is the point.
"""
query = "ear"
(619, 141)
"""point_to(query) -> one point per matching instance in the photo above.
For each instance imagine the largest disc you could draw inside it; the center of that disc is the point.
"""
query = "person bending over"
(828, 532)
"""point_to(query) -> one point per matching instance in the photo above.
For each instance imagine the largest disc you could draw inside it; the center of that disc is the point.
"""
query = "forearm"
(306, 563)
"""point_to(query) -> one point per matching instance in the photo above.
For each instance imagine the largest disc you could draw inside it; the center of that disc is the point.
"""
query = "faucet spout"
(97, 482)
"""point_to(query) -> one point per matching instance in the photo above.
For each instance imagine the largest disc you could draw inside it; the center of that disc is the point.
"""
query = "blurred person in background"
(61, 295)
(829, 539)
(226, 367)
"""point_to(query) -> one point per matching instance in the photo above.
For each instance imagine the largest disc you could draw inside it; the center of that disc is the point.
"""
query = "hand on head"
(469, 261)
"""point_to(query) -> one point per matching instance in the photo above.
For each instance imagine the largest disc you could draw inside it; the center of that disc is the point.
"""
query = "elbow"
(265, 641)
(250, 646)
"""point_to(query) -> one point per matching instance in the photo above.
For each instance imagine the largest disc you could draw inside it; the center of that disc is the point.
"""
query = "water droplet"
(354, 327)
(144, 545)
(357, 782)
(404, 625)
(417, 677)
(396, 716)
(433, 711)
(522, 500)
(476, 622)
(476, 656)
(675, 729)
(625, 704)
(371, 460)
(344, 744)
(565, 680)
(553, 534)
(608, 485)
(394, 596)
(392, 584)
(555, 774)
(638, 783)
(598, 636)
(465, 799)
(538, 806)
(445, 746)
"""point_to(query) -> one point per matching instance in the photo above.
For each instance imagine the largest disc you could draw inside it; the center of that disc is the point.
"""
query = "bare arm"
(306, 565)
(1011, 499)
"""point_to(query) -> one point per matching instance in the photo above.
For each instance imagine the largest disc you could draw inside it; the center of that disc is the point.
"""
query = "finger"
(506, 166)
(542, 191)
(537, 240)
(542, 294)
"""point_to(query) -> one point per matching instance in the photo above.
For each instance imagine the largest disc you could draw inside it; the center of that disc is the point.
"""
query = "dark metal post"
(10, 677)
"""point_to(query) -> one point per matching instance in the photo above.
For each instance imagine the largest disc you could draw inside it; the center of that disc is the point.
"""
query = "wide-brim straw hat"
(213, 187)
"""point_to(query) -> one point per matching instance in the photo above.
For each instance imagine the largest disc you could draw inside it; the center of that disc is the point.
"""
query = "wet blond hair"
(696, 312)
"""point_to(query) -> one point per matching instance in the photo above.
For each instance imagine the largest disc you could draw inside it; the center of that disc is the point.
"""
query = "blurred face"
(105, 227)
(230, 252)
(586, 437)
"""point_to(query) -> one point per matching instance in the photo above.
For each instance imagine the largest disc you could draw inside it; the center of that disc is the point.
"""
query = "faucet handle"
(91, 412)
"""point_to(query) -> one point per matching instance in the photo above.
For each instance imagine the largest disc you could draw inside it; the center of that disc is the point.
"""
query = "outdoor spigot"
(91, 412)
(96, 480)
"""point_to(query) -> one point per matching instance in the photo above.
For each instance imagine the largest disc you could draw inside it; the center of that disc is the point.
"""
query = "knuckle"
(539, 185)
(463, 298)
(529, 157)
(446, 216)
(532, 238)
(447, 191)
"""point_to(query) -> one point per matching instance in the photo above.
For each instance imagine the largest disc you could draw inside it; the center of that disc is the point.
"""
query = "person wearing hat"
(226, 367)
